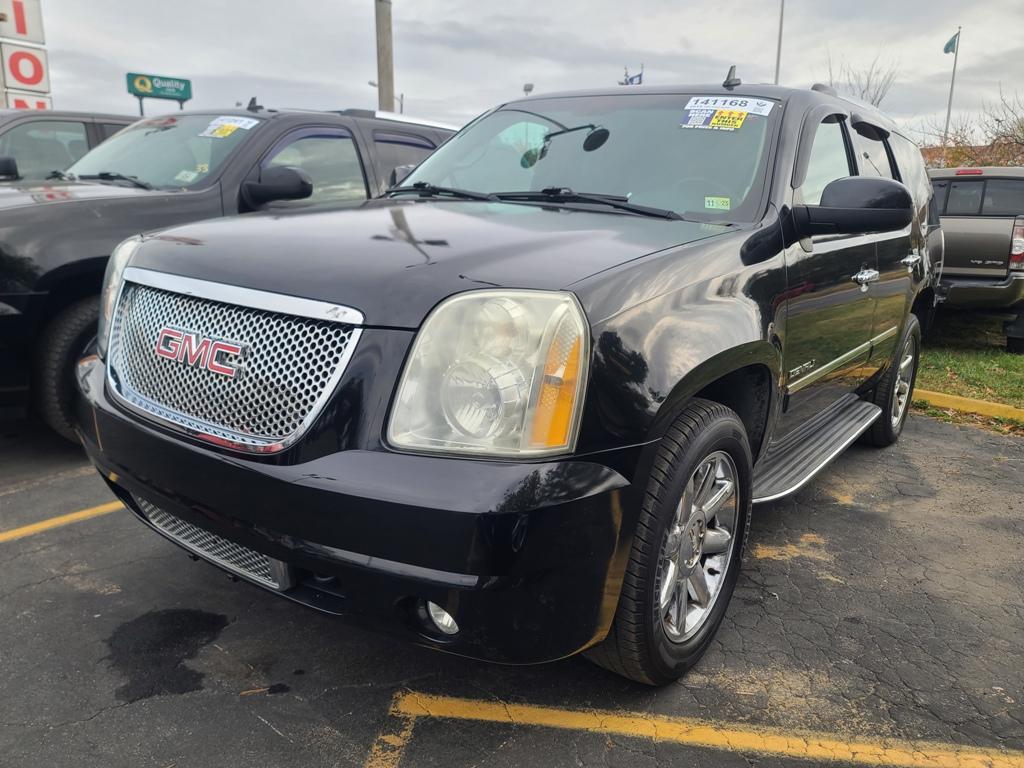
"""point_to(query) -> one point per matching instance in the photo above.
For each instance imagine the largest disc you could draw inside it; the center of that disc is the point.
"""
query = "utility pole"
(778, 48)
(385, 57)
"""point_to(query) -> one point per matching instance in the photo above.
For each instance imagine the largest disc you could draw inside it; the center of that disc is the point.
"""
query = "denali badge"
(192, 349)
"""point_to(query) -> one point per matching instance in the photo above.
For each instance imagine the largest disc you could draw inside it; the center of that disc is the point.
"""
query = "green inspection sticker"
(718, 203)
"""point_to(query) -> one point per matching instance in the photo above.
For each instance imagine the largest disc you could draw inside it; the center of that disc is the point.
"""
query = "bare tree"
(871, 84)
(994, 136)
(1003, 123)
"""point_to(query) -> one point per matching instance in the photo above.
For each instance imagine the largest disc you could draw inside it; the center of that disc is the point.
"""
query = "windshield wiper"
(431, 190)
(566, 195)
(62, 175)
(117, 176)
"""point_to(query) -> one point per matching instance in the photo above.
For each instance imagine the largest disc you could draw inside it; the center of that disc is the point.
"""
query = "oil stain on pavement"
(151, 650)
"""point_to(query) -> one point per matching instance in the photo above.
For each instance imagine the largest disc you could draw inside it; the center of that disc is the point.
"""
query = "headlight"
(111, 286)
(495, 373)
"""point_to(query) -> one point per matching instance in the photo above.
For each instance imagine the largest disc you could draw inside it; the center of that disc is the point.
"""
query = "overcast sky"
(455, 58)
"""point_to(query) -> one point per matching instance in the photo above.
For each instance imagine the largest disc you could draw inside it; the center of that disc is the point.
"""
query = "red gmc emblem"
(198, 352)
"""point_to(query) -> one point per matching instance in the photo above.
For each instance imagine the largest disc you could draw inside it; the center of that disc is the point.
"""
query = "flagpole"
(952, 82)
(778, 48)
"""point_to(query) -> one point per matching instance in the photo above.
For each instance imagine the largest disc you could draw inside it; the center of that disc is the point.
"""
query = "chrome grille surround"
(227, 554)
(295, 353)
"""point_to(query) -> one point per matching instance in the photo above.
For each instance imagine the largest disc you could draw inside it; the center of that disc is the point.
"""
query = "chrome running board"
(789, 464)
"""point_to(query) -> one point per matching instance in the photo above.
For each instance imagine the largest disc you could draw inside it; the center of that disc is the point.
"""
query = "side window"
(910, 170)
(1003, 197)
(964, 198)
(330, 158)
(395, 149)
(872, 159)
(828, 160)
(940, 187)
(43, 146)
(108, 129)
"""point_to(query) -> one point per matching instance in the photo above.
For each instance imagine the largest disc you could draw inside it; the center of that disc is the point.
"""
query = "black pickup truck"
(56, 235)
(520, 407)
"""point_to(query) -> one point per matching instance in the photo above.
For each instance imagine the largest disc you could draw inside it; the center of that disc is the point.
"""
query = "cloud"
(455, 58)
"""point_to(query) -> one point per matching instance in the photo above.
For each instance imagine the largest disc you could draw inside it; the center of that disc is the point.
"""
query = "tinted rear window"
(964, 198)
(1003, 197)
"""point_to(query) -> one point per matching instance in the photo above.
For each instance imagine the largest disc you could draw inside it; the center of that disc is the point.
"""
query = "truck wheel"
(57, 350)
(895, 389)
(1015, 345)
(686, 550)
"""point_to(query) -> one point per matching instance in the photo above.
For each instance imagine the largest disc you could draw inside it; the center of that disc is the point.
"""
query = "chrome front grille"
(286, 370)
(234, 557)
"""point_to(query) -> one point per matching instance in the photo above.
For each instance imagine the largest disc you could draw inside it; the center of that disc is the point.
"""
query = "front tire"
(896, 388)
(57, 350)
(686, 550)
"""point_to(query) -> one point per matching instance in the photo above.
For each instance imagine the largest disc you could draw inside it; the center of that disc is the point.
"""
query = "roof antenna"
(731, 81)
(254, 107)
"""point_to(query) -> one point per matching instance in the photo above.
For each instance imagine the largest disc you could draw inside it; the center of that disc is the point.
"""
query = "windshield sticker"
(219, 131)
(713, 119)
(186, 177)
(761, 107)
(718, 203)
(221, 127)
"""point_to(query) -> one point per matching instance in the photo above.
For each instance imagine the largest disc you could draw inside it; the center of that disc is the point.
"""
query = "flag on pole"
(628, 79)
(952, 44)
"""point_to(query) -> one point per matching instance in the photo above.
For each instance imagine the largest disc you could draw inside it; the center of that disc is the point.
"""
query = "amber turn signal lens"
(553, 418)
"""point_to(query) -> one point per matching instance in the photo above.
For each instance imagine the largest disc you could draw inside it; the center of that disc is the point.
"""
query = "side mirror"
(277, 182)
(856, 205)
(9, 169)
(399, 173)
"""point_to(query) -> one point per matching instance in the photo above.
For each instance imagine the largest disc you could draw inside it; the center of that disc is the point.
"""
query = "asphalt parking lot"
(879, 620)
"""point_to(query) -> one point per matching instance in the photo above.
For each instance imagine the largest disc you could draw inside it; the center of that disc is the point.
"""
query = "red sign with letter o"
(25, 68)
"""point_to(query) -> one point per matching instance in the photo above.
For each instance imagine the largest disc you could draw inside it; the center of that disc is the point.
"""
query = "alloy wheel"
(903, 381)
(697, 550)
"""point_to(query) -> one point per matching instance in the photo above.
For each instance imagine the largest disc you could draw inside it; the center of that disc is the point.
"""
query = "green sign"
(159, 87)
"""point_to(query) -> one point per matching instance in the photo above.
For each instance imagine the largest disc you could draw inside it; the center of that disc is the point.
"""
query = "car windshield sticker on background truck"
(221, 127)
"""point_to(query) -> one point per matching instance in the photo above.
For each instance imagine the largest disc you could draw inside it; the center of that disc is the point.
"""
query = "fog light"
(442, 619)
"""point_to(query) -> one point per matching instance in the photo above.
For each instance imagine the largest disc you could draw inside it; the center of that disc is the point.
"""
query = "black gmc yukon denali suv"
(520, 406)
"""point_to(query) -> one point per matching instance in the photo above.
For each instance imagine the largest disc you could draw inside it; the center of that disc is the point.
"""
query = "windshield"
(172, 152)
(702, 156)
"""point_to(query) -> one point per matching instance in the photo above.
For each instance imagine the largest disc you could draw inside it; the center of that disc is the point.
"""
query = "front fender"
(650, 359)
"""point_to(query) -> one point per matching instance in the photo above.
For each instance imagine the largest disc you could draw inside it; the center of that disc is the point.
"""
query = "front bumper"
(976, 293)
(527, 557)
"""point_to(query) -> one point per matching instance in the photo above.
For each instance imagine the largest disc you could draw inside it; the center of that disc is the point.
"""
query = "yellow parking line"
(389, 747)
(57, 522)
(969, 405)
(804, 745)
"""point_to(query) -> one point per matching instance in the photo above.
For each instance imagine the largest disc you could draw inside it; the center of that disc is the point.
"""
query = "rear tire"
(895, 390)
(57, 350)
(651, 639)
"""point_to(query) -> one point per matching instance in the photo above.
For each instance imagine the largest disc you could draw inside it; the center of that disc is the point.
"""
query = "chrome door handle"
(866, 276)
(911, 261)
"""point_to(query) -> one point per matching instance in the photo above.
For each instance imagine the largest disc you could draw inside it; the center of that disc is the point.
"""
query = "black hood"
(22, 194)
(48, 231)
(394, 260)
